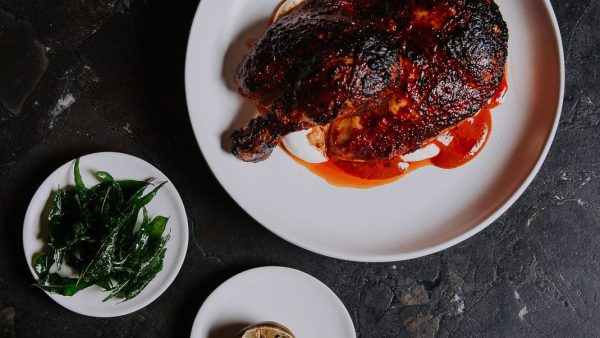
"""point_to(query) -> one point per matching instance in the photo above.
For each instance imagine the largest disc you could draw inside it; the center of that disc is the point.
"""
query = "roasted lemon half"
(265, 330)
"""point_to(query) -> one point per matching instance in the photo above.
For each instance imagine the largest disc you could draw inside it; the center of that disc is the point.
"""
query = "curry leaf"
(41, 263)
(79, 185)
(63, 211)
(130, 187)
(55, 283)
(157, 227)
(94, 232)
(150, 196)
(104, 177)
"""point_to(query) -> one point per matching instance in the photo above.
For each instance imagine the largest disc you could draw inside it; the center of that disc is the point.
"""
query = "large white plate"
(167, 203)
(427, 211)
(289, 297)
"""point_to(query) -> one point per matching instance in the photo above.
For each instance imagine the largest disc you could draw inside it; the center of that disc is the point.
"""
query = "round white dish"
(167, 203)
(289, 297)
(427, 211)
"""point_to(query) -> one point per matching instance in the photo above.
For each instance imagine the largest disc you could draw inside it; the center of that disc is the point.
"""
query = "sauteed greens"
(95, 232)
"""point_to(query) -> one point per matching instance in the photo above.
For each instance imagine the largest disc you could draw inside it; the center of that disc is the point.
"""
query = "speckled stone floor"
(108, 75)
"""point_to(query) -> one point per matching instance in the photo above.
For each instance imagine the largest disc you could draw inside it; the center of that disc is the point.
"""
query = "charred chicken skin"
(383, 76)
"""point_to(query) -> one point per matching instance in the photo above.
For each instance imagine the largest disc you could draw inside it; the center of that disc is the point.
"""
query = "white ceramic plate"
(289, 297)
(427, 211)
(167, 203)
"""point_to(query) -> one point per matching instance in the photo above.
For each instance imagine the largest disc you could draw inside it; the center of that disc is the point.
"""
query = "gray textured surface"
(534, 272)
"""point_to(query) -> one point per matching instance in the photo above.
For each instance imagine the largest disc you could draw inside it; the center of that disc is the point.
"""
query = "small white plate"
(167, 203)
(426, 211)
(289, 297)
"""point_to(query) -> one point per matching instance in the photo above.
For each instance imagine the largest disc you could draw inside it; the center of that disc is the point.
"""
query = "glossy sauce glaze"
(458, 145)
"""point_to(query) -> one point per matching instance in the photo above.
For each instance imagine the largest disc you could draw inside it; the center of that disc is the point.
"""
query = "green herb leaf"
(104, 177)
(64, 286)
(157, 227)
(146, 268)
(130, 187)
(63, 211)
(102, 263)
(41, 263)
(79, 185)
(144, 200)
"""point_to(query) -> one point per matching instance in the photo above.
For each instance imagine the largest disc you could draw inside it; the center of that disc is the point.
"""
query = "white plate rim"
(240, 276)
(434, 248)
(42, 191)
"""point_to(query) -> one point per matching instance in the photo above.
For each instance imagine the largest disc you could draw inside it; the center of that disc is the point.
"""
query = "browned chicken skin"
(384, 75)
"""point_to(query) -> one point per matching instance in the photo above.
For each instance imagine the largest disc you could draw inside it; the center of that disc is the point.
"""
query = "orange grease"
(339, 176)
(464, 142)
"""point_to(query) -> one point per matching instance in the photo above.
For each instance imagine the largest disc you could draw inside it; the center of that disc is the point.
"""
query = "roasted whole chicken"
(381, 76)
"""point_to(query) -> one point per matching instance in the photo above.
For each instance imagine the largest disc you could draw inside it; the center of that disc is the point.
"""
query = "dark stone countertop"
(109, 76)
